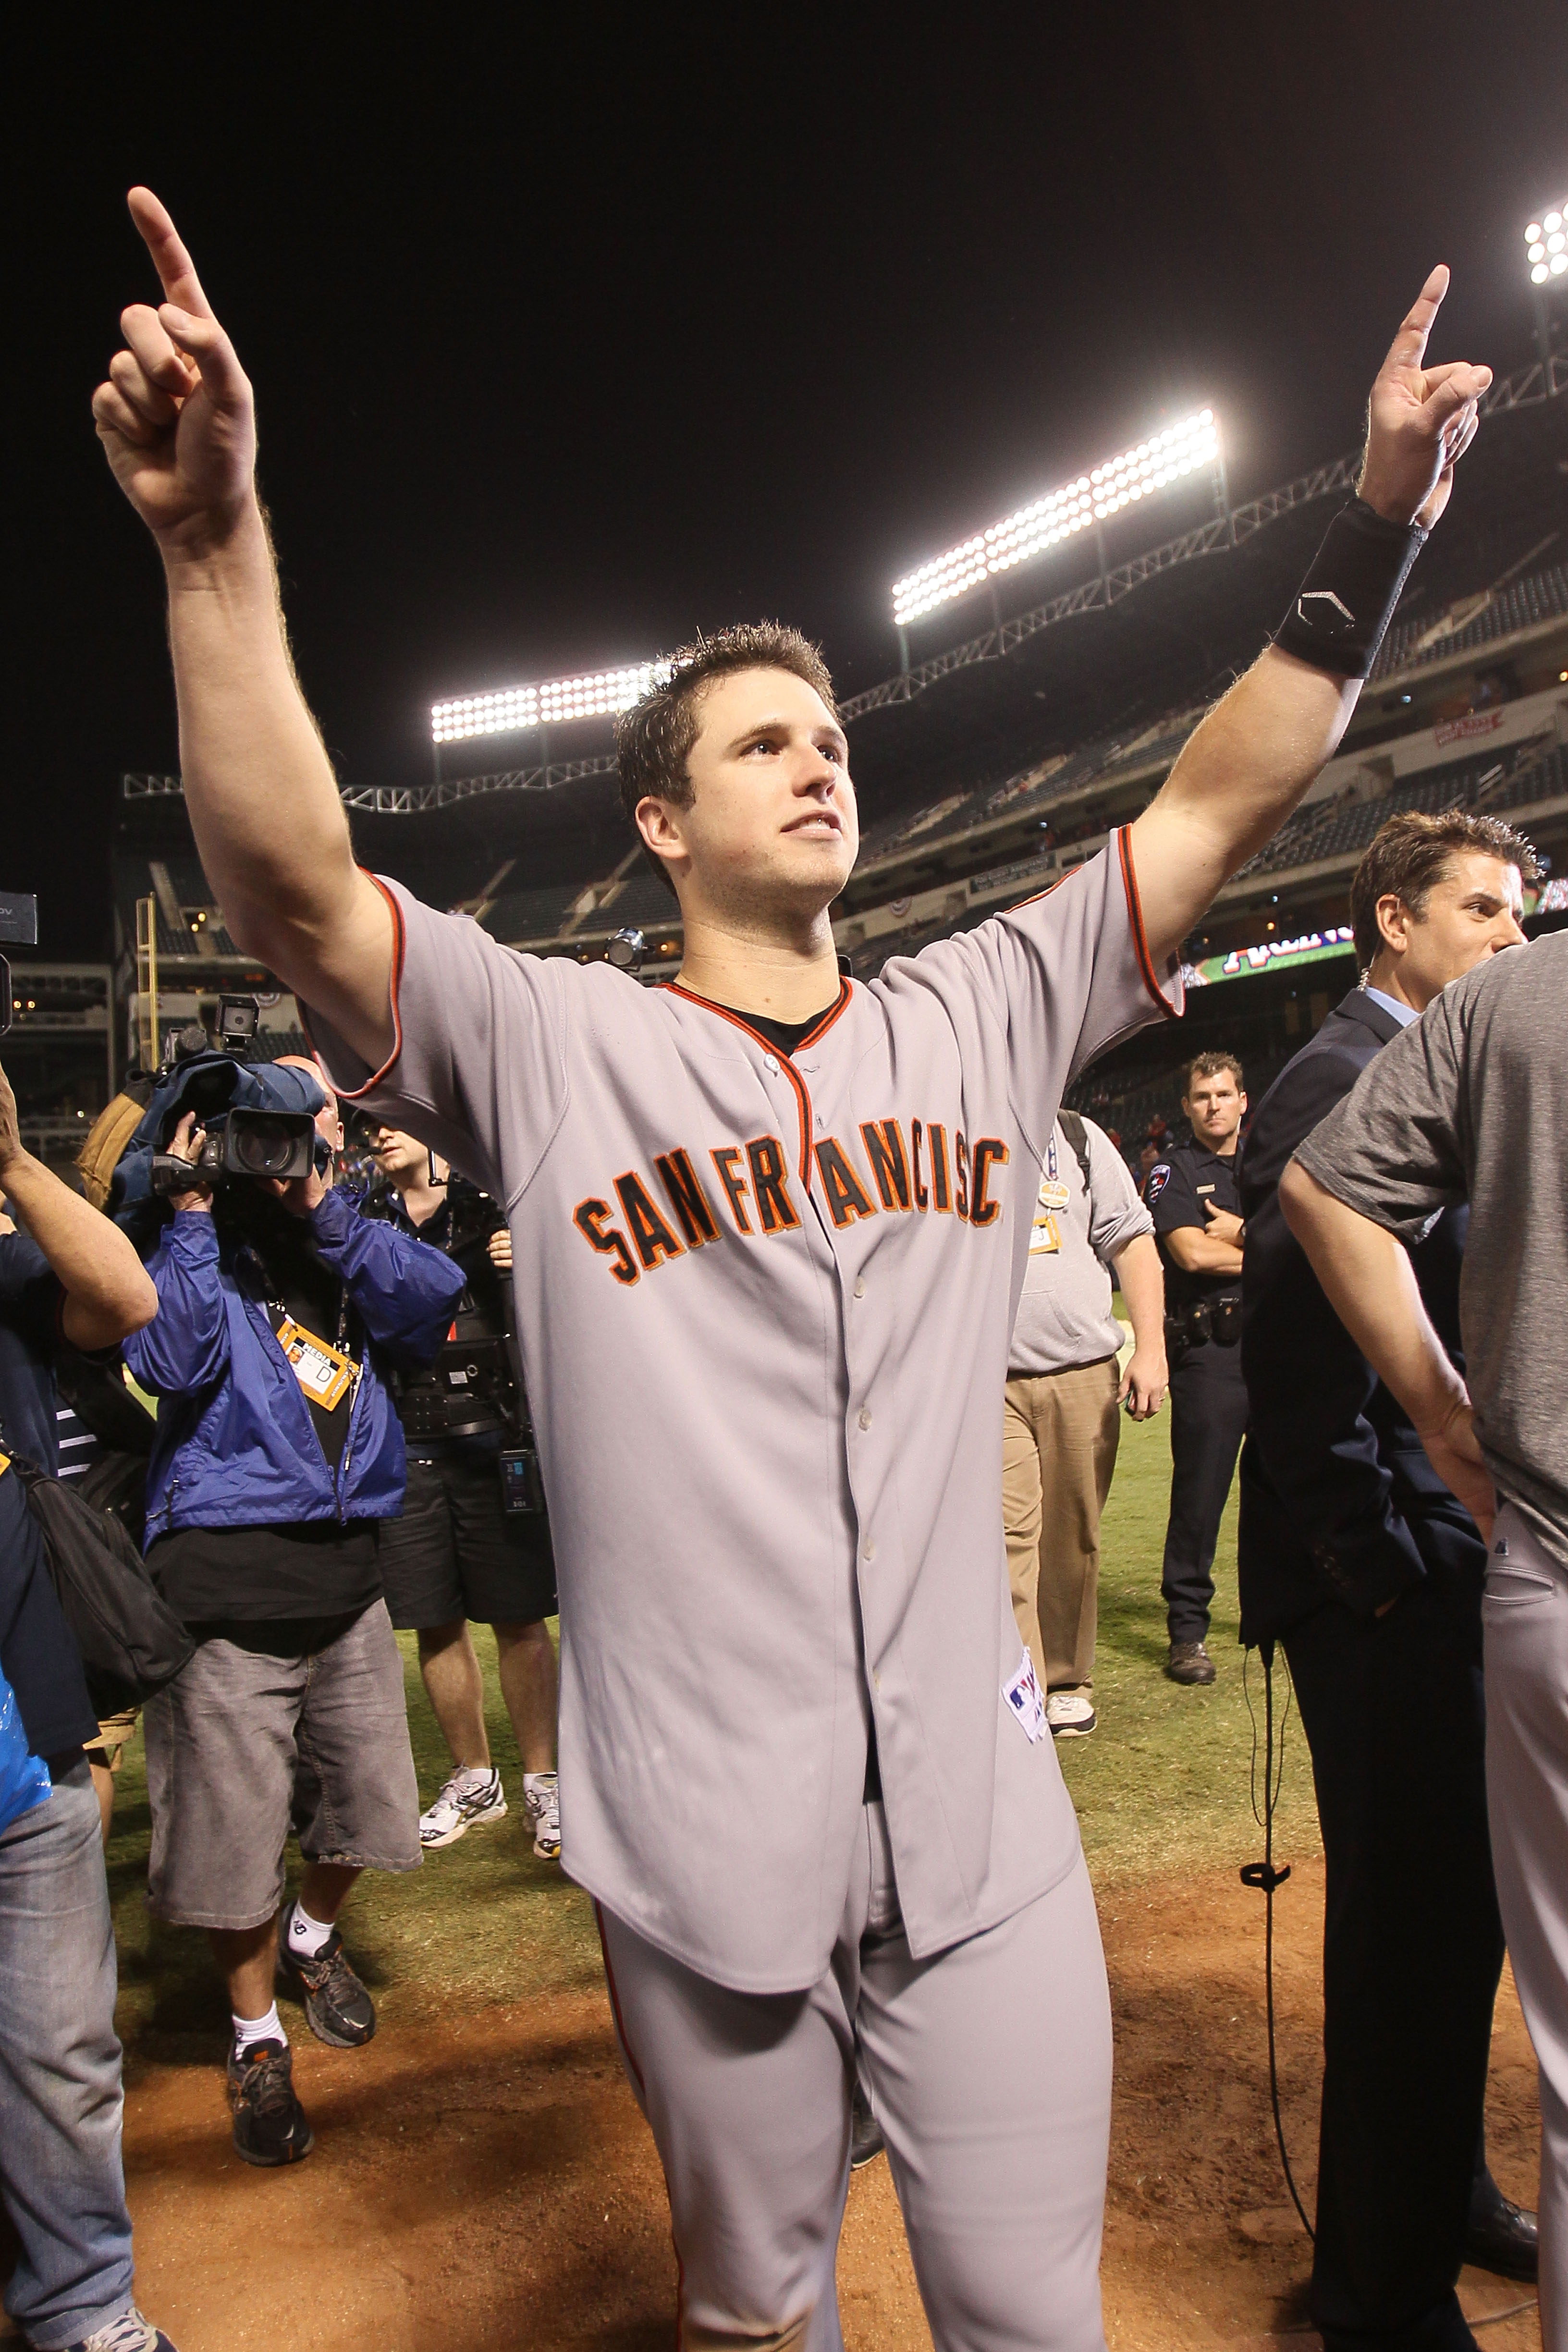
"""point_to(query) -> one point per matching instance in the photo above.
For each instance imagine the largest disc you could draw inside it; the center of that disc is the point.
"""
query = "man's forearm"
(1240, 773)
(1142, 1282)
(1370, 1283)
(109, 1292)
(263, 804)
(1196, 1252)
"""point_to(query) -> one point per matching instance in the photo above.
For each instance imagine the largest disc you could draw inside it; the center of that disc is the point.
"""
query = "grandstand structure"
(991, 767)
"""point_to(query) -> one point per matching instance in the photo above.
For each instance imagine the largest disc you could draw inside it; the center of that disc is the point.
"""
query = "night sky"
(570, 340)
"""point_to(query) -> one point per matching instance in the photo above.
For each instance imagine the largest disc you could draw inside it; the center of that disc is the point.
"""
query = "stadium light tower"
(1546, 258)
(596, 695)
(1137, 474)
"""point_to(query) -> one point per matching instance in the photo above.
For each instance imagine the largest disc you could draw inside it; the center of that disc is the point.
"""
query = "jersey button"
(864, 1417)
(860, 1287)
(770, 1062)
(871, 1548)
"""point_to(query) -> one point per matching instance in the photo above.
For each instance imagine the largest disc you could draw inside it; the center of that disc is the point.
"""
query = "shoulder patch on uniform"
(1159, 1177)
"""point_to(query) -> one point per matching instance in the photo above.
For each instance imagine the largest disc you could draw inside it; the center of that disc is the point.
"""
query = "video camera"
(259, 1118)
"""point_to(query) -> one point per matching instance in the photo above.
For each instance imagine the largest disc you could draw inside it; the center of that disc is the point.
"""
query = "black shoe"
(269, 2125)
(1190, 1663)
(337, 2007)
(865, 2136)
(1501, 2237)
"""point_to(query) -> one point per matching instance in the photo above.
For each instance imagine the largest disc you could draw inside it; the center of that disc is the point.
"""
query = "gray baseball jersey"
(764, 1304)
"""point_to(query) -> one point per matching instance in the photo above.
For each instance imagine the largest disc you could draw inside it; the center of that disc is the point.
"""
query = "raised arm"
(177, 422)
(1248, 763)
(108, 1291)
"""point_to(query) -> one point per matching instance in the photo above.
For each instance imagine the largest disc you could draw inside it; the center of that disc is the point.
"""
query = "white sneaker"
(129, 2333)
(467, 1798)
(542, 1796)
(1070, 1714)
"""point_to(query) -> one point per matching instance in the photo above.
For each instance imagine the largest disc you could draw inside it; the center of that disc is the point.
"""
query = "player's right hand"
(176, 417)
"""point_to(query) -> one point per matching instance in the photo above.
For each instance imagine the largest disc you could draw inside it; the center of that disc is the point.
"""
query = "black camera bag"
(130, 1641)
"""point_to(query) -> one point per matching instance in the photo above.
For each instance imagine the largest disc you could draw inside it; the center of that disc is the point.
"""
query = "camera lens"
(263, 1147)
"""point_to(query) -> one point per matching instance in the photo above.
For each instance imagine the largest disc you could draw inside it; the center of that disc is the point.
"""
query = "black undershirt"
(786, 1036)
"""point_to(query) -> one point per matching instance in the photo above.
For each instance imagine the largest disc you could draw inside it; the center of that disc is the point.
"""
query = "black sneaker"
(1190, 1663)
(338, 2009)
(269, 2125)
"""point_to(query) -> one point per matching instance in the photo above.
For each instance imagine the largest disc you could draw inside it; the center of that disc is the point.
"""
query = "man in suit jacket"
(1355, 1556)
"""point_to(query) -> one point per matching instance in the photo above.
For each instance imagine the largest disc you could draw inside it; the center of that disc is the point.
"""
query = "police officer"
(457, 1554)
(1192, 1196)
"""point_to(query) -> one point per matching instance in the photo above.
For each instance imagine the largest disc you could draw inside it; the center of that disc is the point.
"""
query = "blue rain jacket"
(236, 1445)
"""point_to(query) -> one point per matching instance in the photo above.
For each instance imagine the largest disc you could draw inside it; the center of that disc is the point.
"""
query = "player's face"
(1471, 913)
(1214, 1106)
(772, 825)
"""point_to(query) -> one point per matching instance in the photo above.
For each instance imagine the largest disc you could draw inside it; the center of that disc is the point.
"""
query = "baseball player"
(769, 1230)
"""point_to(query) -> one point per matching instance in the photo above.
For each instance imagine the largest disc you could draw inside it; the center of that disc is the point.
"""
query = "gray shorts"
(247, 1742)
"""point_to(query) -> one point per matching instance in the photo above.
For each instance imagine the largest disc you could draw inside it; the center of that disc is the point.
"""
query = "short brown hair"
(1209, 1066)
(654, 738)
(1411, 851)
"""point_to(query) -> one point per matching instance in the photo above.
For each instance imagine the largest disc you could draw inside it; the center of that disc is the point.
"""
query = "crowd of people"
(812, 1284)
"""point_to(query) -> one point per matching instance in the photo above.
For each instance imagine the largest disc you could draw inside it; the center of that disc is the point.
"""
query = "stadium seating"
(1521, 605)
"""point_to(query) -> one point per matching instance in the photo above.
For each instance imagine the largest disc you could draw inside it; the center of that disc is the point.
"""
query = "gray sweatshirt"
(1088, 1209)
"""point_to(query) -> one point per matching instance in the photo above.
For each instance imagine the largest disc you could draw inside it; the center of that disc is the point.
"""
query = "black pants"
(1411, 1944)
(1208, 1417)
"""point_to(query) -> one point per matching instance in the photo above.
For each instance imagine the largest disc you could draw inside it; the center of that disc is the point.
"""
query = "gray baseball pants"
(1524, 1615)
(988, 2067)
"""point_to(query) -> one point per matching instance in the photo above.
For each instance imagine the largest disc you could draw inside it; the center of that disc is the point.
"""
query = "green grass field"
(1162, 1786)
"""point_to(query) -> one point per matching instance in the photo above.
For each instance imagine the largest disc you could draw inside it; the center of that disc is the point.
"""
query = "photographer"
(278, 1454)
(456, 1555)
(72, 1280)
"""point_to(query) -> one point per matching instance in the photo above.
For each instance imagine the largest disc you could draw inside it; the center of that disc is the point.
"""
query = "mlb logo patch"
(1024, 1696)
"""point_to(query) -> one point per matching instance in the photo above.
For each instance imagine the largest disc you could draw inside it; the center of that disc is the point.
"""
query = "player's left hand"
(499, 1248)
(1144, 1385)
(1420, 420)
(1454, 1450)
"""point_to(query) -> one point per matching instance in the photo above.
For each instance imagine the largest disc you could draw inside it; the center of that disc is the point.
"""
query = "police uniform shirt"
(764, 1302)
(1179, 1188)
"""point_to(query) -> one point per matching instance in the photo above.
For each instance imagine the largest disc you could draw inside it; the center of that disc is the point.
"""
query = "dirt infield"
(484, 2181)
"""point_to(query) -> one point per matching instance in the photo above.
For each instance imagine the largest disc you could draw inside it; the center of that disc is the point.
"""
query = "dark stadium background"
(571, 339)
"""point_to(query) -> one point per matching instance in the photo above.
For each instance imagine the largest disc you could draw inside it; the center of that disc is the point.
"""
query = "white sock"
(472, 1776)
(531, 1780)
(247, 2029)
(306, 1936)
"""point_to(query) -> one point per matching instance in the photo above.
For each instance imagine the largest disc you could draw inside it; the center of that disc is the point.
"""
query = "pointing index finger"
(175, 268)
(1410, 343)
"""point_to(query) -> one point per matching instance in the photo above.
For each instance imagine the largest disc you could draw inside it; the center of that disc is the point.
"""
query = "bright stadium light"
(1546, 244)
(1121, 482)
(516, 706)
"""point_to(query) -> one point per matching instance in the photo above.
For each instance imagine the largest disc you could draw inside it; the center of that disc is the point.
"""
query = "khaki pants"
(1059, 1435)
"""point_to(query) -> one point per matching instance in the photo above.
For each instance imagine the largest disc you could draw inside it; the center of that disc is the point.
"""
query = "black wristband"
(1346, 601)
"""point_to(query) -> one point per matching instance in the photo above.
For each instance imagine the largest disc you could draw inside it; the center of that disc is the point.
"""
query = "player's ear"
(659, 826)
